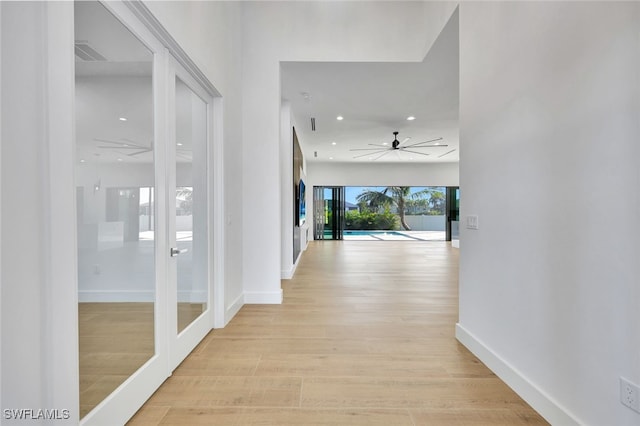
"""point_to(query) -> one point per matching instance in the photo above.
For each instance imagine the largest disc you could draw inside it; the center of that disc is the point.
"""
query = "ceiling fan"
(125, 144)
(396, 145)
(128, 144)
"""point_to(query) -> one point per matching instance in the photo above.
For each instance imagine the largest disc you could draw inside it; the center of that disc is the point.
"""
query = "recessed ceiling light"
(339, 118)
(122, 119)
(333, 143)
(411, 118)
(179, 144)
(82, 160)
(119, 159)
(385, 143)
(330, 158)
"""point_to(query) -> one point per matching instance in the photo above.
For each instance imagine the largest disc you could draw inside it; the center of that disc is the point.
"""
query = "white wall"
(36, 237)
(391, 174)
(211, 33)
(425, 222)
(549, 131)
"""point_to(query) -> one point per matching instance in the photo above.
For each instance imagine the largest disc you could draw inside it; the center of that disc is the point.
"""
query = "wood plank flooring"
(365, 336)
(115, 340)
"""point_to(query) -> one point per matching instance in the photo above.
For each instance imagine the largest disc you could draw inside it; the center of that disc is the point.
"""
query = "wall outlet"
(472, 222)
(630, 394)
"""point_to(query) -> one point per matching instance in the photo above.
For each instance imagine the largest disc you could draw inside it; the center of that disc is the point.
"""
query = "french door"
(190, 308)
(145, 141)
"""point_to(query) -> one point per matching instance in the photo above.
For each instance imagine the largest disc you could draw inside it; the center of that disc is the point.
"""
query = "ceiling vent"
(313, 124)
(87, 53)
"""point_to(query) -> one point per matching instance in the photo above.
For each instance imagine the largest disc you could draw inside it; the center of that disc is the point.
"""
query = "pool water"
(371, 233)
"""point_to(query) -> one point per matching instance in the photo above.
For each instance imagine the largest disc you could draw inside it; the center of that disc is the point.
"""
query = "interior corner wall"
(549, 131)
(211, 34)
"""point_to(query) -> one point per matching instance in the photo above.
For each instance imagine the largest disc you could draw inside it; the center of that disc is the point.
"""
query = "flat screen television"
(302, 203)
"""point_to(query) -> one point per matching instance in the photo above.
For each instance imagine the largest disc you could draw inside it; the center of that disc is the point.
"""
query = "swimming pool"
(371, 233)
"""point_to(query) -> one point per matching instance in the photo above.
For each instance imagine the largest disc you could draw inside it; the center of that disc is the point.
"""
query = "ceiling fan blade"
(383, 154)
(377, 144)
(370, 153)
(419, 143)
(120, 147)
(425, 146)
(139, 152)
(126, 143)
(446, 153)
(108, 141)
(413, 152)
(370, 149)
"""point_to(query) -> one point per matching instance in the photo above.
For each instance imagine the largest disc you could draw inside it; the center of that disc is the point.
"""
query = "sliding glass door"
(328, 207)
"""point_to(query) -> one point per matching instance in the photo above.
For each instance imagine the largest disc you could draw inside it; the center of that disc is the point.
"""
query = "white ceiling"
(375, 100)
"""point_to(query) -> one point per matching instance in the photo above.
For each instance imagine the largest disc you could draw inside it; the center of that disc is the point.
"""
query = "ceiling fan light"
(410, 118)
(339, 118)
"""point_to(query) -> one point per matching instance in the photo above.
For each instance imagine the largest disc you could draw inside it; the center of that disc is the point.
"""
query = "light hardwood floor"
(115, 340)
(365, 336)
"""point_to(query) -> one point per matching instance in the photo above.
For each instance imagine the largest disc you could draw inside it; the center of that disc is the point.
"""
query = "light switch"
(472, 222)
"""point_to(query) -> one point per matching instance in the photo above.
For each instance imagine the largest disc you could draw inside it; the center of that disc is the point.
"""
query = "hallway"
(365, 336)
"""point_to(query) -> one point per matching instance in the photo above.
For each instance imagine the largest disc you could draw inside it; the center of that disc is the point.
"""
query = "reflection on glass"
(191, 204)
(114, 188)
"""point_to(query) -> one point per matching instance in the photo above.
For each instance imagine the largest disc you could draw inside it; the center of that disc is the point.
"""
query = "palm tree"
(390, 196)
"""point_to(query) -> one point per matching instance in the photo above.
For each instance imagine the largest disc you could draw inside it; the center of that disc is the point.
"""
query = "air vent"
(313, 124)
(88, 53)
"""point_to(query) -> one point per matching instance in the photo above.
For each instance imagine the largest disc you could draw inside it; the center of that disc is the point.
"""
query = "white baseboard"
(233, 309)
(553, 412)
(115, 296)
(455, 243)
(119, 296)
(263, 297)
(287, 274)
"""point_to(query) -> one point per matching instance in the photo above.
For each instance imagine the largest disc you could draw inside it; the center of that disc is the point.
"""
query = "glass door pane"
(191, 205)
(329, 206)
(114, 188)
(318, 213)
